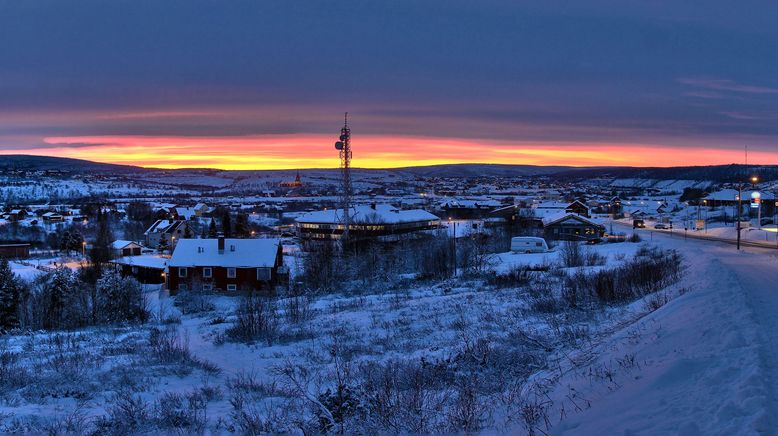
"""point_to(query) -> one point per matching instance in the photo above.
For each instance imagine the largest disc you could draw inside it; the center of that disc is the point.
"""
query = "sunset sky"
(264, 84)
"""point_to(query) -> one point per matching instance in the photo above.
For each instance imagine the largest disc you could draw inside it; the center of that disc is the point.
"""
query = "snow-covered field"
(471, 346)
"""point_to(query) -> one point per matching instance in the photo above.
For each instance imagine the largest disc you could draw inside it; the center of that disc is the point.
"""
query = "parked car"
(661, 226)
(528, 244)
(638, 224)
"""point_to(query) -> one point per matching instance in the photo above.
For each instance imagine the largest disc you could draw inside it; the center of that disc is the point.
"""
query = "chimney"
(221, 243)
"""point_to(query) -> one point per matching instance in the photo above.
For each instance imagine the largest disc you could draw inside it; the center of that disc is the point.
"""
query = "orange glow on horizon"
(317, 151)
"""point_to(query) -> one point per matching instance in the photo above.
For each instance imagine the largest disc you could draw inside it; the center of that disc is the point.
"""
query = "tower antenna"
(344, 147)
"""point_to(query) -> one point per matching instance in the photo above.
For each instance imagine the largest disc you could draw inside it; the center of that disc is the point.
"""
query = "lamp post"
(739, 207)
(83, 249)
(756, 196)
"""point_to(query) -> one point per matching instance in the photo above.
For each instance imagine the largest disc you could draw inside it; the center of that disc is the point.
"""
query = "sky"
(264, 84)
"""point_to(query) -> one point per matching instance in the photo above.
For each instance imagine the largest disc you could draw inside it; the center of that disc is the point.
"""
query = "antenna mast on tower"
(344, 146)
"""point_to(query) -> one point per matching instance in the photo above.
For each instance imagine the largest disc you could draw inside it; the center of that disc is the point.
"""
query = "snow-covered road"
(705, 363)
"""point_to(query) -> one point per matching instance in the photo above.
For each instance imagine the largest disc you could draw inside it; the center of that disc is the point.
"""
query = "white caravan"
(528, 244)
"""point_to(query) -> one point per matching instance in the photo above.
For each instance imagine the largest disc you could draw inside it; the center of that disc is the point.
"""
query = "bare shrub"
(468, 411)
(593, 258)
(657, 300)
(179, 412)
(195, 301)
(256, 319)
(516, 276)
(168, 346)
(127, 414)
(297, 309)
(402, 397)
(13, 374)
(649, 271)
(571, 254)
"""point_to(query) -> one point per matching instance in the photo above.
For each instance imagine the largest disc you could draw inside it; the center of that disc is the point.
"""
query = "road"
(709, 358)
(680, 233)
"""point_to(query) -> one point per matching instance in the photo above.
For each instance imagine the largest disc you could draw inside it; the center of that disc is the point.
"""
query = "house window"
(207, 272)
(207, 287)
(182, 272)
(182, 286)
(231, 273)
(232, 288)
(135, 270)
(263, 274)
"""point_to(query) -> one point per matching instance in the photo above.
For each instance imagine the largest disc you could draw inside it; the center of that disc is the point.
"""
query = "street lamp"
(83, 248)
(756, 196)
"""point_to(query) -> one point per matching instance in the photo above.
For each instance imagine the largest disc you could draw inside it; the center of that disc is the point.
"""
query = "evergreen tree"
(58, 299)
(119, 299)
(10, 290)
(163, 245)
(242, 226)
(100, 253)
(226, 224)
(212, 231)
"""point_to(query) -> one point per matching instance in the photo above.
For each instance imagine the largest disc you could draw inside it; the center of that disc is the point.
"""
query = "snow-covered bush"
(120, 299)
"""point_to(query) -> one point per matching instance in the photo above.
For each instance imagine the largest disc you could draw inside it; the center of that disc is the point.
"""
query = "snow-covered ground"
(704, 363)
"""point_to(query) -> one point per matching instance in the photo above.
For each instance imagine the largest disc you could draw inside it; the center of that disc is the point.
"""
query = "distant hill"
(481, 169)
(49, 163)
(716, 173)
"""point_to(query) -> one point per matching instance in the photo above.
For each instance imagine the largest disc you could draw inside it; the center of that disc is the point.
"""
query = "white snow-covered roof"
(551, 205)
(164, 226)
(238, 253)
(471, 204)
(121, 243)
(186, 212)
(559, 217)
(731, 195)
(144, 260)
(382, 213)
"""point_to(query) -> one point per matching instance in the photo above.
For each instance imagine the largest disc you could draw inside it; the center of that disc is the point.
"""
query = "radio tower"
(344, 146)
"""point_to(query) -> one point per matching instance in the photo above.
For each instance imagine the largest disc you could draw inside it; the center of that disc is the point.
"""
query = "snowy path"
(707, 361)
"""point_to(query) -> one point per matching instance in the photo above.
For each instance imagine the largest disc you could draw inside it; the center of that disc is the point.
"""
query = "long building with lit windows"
(367, 221)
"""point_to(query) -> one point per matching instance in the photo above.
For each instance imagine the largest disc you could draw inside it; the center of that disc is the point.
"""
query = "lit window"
(231, 273)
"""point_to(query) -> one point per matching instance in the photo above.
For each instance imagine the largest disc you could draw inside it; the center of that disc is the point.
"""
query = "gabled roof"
(121, 243)
(562, 217)
(382, 213)
(186, 212)
(164, 226)
(238, 253)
